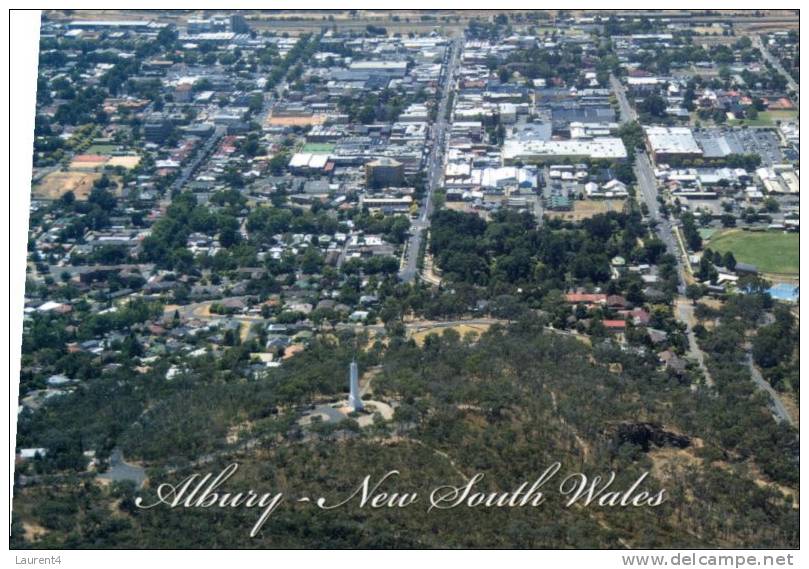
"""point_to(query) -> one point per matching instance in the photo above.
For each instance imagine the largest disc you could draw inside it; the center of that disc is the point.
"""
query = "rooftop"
(672, 140)
(611, 148)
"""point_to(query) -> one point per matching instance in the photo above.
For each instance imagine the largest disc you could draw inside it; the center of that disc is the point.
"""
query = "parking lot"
(719, 142)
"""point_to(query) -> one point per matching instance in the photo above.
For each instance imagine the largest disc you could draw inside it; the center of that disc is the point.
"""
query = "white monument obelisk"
(354, 399)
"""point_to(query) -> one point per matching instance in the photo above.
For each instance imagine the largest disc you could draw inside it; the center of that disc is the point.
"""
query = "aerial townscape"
(333, 243)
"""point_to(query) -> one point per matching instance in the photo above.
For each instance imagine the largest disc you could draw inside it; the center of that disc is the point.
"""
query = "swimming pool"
(785, 292)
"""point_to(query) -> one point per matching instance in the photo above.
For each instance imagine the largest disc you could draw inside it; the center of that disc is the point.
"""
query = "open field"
(585, 209)
(101, 149)
(56, 184)
(88, 162)
(318, 147)
(450, 22)
(765, 119)
(462, 329)
(127, 162)
(771, 252)
(775, 116)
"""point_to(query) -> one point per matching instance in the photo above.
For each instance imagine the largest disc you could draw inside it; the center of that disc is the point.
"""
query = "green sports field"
(318, 147)
(101, 149)
(770, 252)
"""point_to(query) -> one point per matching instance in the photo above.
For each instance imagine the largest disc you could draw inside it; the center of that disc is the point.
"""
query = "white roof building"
(505, 176)
(50, 305)
(670, 141)
(387, 67)
(602, 148)
(29, 453)
(302, 160)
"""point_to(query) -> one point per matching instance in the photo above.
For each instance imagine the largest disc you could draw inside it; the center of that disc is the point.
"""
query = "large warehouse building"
(541, 151)
(665, 143)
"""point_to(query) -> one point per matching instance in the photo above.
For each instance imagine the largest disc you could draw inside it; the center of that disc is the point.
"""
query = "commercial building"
(542, 151)
(671, 142)
(383, 173)
(157, 128)
(307, 162)
(387, 204)
(389, 68)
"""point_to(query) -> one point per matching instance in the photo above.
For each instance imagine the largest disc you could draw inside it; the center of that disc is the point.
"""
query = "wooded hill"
(507, 405)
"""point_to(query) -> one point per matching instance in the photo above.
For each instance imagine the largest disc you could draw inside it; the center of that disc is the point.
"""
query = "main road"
(200, 156)
(434, 167)
(683, 308)
(647, 182)
(647, 186)
(791, 83)
(628, 114)
(779, 411)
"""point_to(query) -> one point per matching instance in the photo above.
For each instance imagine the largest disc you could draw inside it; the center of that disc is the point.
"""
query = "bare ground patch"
(462, 329)
(56, 184)
(585, 209)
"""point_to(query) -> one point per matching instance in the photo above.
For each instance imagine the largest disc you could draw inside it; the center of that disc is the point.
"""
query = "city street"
(777, 64)
(434, 167)
(628, 114)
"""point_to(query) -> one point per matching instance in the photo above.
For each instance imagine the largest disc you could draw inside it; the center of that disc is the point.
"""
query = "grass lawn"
(101, 149)
(765, 118)
(770, 252)
(706, 233)
(318, 147)
(774, 116)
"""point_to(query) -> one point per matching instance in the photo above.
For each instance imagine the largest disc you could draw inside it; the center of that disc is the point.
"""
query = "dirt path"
(684, 312)
(585, 448)
(443, 455)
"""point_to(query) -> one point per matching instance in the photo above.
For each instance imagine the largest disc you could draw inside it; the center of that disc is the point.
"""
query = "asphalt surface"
(778, 410)
(435, 167)
(628, 114)
(202, 154)
(647, 184)
(120, 471)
